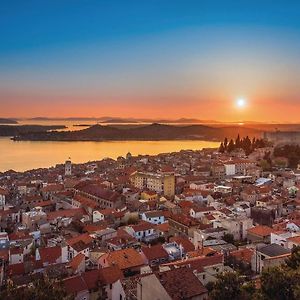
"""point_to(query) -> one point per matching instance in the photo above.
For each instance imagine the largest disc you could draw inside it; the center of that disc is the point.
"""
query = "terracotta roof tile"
(76, 261)
(181, 283)
(155, 252)
(125, 259)
(50, 254)
(110, 274)
(261, 230)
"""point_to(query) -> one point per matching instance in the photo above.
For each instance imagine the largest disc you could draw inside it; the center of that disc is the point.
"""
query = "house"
(143, 231)
(241, 256)
(206, 268)
(199, 212)
(32, 219)
(96, 284)
(3, 195)
(209, 233)
(122, 240)
(109, 215)
(149, 195)
(16, 255)
(259, 233)
(249, 194)
(128, 260)
(183, 242)
(162, 183)
(104, 197)
(4, 240)
(174, 251)
(154, 255)
(109, 279)
(77, 264)
(49, 255)
(64, 217)
(77, 287)
(154, 217)
(266, 256)
(182, 225)
(237, 226)
(174, 284)
(293, 241)
(81, 201)
(78, 244)
(282, 237)
(50, 189)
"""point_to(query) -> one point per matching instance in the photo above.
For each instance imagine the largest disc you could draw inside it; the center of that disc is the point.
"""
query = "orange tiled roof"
(243, 254)
(261, 230)
(85, 238)
(185, 243)
(155, 252)
(66, 213)
(76, 261)
(125, 259)
(294, 239)
(110, 274)
(181, 281)
(50, 254)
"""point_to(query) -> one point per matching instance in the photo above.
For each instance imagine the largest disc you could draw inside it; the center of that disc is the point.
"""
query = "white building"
(3, 194)
(229, 169)
(154, 217)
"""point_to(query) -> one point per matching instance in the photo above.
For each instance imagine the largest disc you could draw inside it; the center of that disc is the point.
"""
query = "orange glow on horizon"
(218, 108)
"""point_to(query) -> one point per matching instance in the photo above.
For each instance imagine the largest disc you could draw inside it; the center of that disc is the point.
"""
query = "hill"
(154, 131)
(7, 121)
(18, 130)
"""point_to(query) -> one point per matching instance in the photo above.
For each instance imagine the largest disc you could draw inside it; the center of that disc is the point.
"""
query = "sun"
(240, 102)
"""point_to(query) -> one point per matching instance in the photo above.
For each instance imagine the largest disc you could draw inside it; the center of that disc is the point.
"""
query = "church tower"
(68, 167)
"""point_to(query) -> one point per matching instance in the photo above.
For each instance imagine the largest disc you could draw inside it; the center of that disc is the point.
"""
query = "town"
(149, 227)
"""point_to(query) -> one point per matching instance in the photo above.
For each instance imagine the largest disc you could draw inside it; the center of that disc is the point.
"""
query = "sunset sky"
(153, 59)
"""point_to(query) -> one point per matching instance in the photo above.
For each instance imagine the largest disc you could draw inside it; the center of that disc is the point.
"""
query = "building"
(267, 256)
(3, 195)
(160, 183)
(68, 168)
(32, 219)
(154, 216)
(259, 233)
(104, 197)
(230, 169)
(128, 260)
(179, 283)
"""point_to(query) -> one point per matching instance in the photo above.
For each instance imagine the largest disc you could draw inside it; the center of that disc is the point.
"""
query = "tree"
(225, 143)
(247, 145)
(265, 165)
(238, 142)
(293, 262)
(276, 283)
(221, 148)
(248, 291)
(230, 146)
(227, 286)
(228, 237)
(41, 289)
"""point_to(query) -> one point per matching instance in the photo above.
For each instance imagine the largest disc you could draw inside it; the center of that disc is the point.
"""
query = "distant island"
(7, 121)
(154, 131)
(119, 120)
(16, 130)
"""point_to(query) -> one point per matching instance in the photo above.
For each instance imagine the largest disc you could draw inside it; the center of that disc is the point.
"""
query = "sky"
(151, 59)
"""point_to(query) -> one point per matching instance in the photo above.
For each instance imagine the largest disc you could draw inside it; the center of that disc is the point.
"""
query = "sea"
(27, 155)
